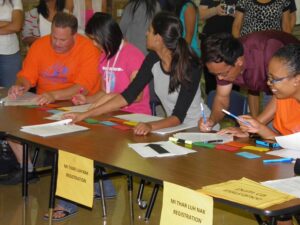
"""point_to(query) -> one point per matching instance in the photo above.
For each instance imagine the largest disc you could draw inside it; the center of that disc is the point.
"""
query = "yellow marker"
(130, 123)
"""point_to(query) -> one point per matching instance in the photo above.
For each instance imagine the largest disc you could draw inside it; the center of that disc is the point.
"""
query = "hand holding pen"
(254, 127)
(15, 91)
(205, 125)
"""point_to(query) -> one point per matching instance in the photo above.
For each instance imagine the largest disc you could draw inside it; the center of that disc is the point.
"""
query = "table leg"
(53, 186)
(25, 171)
(130, 190)
(151, 202)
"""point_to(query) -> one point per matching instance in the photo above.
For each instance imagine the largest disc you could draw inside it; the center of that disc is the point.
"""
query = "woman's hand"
(235, 131)
(254, 127)
(142, 129)
(79, 99)
(76, 117)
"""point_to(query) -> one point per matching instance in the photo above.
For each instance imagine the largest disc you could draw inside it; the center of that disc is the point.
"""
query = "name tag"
(111, 68)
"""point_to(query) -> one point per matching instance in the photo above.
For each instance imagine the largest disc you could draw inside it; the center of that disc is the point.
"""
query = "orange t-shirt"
(50, 71)
(287, 116)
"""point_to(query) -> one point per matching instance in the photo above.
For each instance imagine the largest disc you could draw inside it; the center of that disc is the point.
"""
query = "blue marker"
(203, 113)
(237, 118)
(281, 160)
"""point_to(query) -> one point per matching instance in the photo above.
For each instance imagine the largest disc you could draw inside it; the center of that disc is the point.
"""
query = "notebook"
(51, 129)
(27, 99)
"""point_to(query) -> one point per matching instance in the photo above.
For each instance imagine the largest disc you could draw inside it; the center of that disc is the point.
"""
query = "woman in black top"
(176, 72)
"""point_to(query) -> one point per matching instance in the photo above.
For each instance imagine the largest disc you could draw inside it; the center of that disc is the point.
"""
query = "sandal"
(65, 215)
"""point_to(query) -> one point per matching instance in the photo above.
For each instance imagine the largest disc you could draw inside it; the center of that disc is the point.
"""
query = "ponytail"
(182, 61)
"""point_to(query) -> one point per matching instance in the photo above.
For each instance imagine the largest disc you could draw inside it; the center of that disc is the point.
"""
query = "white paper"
(285, 153)
(77, 108)
(173, 149)
(138, 117)
(173, 129)
(51, 129)
(204, 137)
(56, 116)
(288, 185)
(289, 141)
(27, 99)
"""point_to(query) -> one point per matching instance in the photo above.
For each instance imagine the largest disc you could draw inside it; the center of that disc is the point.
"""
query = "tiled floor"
(14, 211)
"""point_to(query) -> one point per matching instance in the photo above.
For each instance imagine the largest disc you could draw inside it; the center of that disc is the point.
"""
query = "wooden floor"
(15, 211)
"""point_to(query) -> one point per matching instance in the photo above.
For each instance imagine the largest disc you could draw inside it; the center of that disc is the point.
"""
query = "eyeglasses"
(272, 80)
(224, 74)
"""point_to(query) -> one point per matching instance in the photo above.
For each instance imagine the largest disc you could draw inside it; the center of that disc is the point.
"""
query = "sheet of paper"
(51, 129)
(27, 99)
(174, 129)
(77, 108)
(288, 185)
(285, 153)
(204, 137)
(138, 117)
(56, 116)
(167, 149)
(289, 141)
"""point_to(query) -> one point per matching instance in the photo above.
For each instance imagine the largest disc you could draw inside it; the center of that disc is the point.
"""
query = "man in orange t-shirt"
(59, 65)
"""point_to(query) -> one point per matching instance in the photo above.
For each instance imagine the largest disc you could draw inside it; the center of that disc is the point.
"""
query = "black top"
(218, 24)
(144, 76)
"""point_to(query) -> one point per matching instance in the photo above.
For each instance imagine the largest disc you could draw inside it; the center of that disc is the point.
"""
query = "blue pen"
(281, 160)
(237, 118)
(203, 114)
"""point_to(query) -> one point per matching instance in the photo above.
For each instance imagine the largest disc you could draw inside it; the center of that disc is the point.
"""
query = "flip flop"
(65, 213)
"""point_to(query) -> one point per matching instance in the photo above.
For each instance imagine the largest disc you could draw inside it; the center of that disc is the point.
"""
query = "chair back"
(238, 102)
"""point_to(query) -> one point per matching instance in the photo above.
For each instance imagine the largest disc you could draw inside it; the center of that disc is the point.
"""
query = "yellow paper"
(247, 192)
(253, 148)
(185, 206)
(75, 178)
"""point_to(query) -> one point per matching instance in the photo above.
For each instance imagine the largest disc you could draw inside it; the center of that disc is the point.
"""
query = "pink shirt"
(88, 15)
(129, 60)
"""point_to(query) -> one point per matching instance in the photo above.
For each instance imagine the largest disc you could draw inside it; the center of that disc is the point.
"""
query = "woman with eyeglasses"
(284, 82)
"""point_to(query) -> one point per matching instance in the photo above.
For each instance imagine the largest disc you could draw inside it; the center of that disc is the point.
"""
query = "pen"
(180, 141)
(203, 114)
(213, 141)
(281, 160)
(235, 117)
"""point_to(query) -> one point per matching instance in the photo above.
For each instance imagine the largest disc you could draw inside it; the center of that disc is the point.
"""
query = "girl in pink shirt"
(118, 65)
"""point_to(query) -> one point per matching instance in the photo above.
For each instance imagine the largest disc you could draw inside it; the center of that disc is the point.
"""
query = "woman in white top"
(84, 10)
(39, 19)
(11, 20)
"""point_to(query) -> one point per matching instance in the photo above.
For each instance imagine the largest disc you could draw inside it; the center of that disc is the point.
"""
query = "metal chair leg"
(102, 194)
(130, 192)
(141, 203)
(35, 156)
(151, 202)
(25, 171)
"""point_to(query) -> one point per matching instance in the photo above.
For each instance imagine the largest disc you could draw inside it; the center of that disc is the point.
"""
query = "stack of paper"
(159, 149)
(204, 137)
(51, 129)
(290, 145)
(288, 185)
(27, 99)
(247, 192)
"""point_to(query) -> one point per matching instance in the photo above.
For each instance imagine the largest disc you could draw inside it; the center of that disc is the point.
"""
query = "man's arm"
(221, 101)
(253, 101)
(15, 25)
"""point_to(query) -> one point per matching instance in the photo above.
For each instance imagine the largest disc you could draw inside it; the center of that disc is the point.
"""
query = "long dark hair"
(106, 32)
(176, 5)
(150, 7)
(168, 26)
(10, 1)
(43, 9)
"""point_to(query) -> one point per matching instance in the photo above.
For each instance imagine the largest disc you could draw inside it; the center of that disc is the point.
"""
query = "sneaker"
(15, 177)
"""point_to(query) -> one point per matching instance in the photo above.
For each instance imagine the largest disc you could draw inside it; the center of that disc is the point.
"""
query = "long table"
(109, 148)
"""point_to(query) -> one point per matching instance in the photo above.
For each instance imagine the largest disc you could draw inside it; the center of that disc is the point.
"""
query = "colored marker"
(202, 112)
(237, 118)
(267, 144)
(281, 160)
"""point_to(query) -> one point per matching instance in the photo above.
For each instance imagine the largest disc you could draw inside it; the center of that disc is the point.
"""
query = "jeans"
(109, 191)
(10, 65)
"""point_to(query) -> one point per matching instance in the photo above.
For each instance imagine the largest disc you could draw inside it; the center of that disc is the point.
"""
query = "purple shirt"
(259, 47)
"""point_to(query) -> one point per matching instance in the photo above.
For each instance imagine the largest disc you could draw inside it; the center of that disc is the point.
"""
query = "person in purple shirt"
(242, 62)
